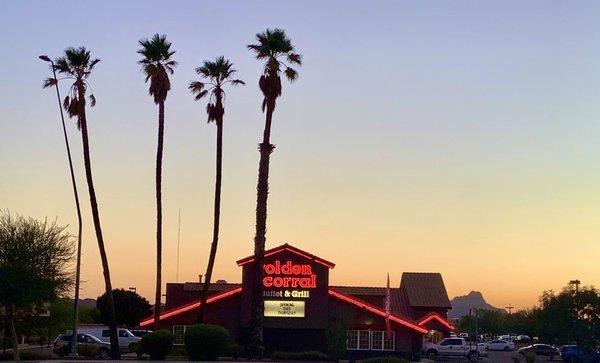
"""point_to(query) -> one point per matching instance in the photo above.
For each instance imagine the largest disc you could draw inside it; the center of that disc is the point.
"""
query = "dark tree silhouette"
(276, 49)
(76, 64)
(214, 75)
(131, 308)
(157, 64)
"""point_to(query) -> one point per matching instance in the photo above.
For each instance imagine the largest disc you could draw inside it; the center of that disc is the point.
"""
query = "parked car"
(571, 353)
(500, 344)
(127, 341)
(483, 348)
(522, 339)
(452, 347)
(140, 332)
(541, 349)
(62, 344)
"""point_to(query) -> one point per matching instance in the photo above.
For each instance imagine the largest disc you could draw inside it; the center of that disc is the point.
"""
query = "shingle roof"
(425, 289)
(214, 287)
(398, 302)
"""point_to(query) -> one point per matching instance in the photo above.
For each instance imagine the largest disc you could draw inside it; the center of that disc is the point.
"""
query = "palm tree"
(278, 52)
(215, 75)
(156, 63)
(76, 64)
(49, 82)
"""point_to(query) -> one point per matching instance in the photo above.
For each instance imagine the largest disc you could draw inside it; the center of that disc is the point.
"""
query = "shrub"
(26, 355)
(205, 341)
(87, 350)
(157, 344)
(530, 357)
(385, 360)
(310, 355)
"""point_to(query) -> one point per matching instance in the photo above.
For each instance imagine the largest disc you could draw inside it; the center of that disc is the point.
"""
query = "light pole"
(45, 58)
(576, 310)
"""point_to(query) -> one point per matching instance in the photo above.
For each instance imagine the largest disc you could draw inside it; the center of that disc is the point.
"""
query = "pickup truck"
(452, 347)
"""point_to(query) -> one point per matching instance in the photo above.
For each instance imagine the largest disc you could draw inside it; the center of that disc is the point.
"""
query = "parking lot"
(499, 357)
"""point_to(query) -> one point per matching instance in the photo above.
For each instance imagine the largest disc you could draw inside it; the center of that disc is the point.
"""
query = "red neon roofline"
(185, 308)
(439, 318)
(375, 310)
(292, 249)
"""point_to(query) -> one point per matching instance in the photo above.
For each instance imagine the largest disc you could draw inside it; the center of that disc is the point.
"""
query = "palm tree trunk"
(217, 215)
(13, 332)
(257, 307)
(159, 152)
(112, 325)
(79, 220)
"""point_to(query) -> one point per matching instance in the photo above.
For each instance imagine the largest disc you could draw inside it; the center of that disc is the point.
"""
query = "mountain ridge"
(463, 303)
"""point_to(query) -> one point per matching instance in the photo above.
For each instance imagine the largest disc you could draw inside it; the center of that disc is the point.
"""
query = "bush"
(530, 357)
(157, 344)
(385, 360)
(205, 341)
(310, 355)
(26, 355)
(87, 350)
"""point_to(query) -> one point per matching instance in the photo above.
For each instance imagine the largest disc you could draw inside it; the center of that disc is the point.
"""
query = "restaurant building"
(303, 312)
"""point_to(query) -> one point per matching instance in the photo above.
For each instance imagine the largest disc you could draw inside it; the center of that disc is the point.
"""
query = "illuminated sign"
(289, 275)
(302, 294)
(284, 309)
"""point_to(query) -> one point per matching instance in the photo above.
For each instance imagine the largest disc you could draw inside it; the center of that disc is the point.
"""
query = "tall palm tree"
(77, 65)
(276, 49)
(157, 64)
(215, 75)
(49, 82)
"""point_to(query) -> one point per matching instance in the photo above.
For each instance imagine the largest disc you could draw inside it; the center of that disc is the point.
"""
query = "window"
(369, 340)
(178, 332)
(105, 333)
(123, 334)
(380, 341)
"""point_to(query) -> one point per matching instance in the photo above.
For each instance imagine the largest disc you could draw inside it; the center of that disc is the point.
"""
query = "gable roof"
(436, 317)
(288, 248)
(398, 302)
(375, 310)
(425, 289)
(189, 307)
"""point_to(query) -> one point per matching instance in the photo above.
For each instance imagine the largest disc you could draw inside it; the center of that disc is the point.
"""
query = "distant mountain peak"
(462, 304)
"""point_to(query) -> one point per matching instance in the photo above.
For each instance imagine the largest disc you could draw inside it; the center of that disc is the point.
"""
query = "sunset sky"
(461, 137)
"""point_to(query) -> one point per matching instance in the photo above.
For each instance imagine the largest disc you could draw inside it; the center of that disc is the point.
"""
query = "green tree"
(131, 308)
(76, 64)
(34, 258)
(276, 49)
(214, 76)
(157, 64)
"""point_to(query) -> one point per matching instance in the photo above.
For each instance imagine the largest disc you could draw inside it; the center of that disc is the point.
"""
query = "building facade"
(303, 312)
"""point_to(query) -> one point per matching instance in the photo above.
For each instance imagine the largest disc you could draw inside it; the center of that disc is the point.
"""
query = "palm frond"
(291, 74)
(49, 82)
(200, 95)
(92, 100)
(66, 102)
(238, 82)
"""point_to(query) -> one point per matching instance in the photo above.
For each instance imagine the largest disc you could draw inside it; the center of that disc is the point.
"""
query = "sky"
(458, 137)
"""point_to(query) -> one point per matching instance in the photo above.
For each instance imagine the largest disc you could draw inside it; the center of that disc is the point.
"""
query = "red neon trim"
(439, 318)
(185, 308)
(289, 249)
(375, 310)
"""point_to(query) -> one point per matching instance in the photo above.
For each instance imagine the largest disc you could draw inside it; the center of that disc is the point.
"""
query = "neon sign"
(288, 275)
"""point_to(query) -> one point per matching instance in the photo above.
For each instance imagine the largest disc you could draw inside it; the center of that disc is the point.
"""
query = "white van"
(127, 340)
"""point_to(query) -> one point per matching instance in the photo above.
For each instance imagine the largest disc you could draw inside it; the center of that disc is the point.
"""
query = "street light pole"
(45, 58)
(576, 310)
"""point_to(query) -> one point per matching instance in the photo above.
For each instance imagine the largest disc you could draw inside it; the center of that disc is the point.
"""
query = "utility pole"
(509, 308)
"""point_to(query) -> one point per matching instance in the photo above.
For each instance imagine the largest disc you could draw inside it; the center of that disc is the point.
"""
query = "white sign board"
(284, 309)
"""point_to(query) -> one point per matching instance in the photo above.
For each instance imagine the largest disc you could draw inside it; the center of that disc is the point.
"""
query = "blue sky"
(461, 125)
